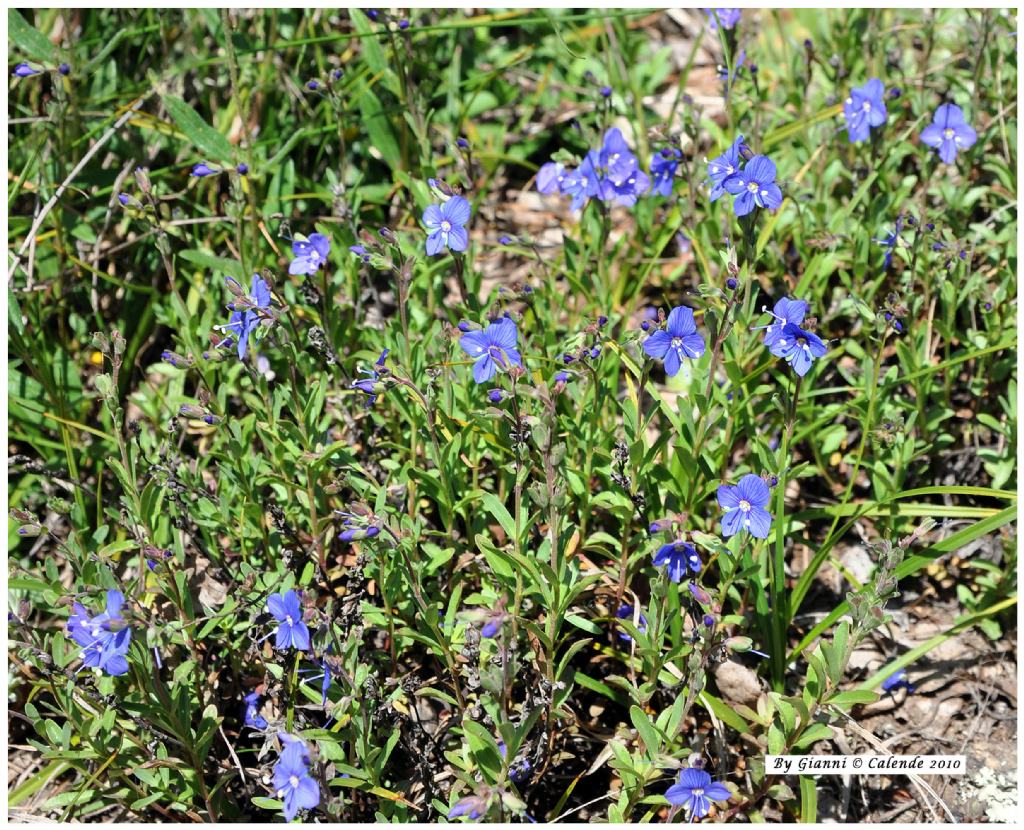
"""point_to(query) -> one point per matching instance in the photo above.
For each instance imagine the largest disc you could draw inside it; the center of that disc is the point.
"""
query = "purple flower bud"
(568, 358)
(963, 255)
(527, 289)
(911, 221)
(897, 325)
(338, 74)
(464, 326)
(773, 481)
(505, 240)
(606, 91)
(242, 169)
(313, 86)
(491, 627)
(937, 246)
(595, 352)
(64, 69)
(888, 315)
(358, 250)
(660, 525)
(388, 234)
(699, 594)
(731, 284)
(123, 199)
(895, 92)
(709, 621)
(988, 306)
(495, 396)
(403, 24)
(23, 70)
(930, 226)
(372, 14)
(463, 143)
(202, 169)
(602, 321)
(212, 420)
(562, 377)
(645, 325)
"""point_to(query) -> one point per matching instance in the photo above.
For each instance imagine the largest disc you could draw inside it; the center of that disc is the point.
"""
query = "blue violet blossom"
(246, 317)
(292, 781)
(492, 348)
(678, 556)
(677, 340)
(291, 631)
(745, 507)
(310, 254)
(694, 791)
(104, 638)
(446, 225)
(949, 133)
(865, 109)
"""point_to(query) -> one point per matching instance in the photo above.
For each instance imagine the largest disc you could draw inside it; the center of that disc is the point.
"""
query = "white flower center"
(948, 133)
(867, 106)
(446, 226)
(294, 781)
(288, 618)
(744, 505)
(698, 791)
(677, 342)
(753, 187)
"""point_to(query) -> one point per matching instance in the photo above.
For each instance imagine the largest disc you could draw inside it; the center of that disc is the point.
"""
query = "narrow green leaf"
(211, 143)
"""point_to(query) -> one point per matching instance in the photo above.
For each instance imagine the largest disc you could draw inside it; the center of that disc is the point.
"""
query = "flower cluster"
(247, 312)
(610, 173)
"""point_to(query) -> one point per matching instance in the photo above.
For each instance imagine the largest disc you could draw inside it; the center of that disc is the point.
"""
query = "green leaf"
(217, 264)
(648, 734)
(27, 38)
(210, 142)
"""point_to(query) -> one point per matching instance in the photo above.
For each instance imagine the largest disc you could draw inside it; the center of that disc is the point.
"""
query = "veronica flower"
(202, 169)
(949, 133)
(694, 791)
(679, 339)
(678, 556)
(745, 507)
(253, 717)
(615, 158)
(786, 311)
(445, 223)
(23, 70)
(628, 612)
(104, 638)
(310, 254)
(493, 347)
(726, 17)
(754, 186)
(550, 178)
(897, 680)
(292, 631)
(864, 109)
(663, 170)
(244, 320)
(726, 165)
(372, 386)
(472, 806)
(890, 241)
(625, 193)
(292, 781)
(584, 183)
(799, 348)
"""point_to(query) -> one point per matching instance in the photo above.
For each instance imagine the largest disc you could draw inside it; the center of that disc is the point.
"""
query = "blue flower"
(584, 183)
(292, 781)
(472, 806)
(203, 169)
(694, 791)
(754, 186)
(491, 348)
(949, 133)
(310, 254)
(726, 165)
(615, 157)
(23, 70)
(786, 311)
(890, 241)
(678, 556)
(727, 17)
(864, 109)
(679, 339)
(244, 320)
(799, 348)
(371, 386)
(445, 222)
(663, 170)
(292, 631)
(626, 612)
(549, 179)
(745, 507)
(625, 192)
(897, 680)
(104, 638)
(253, 717)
